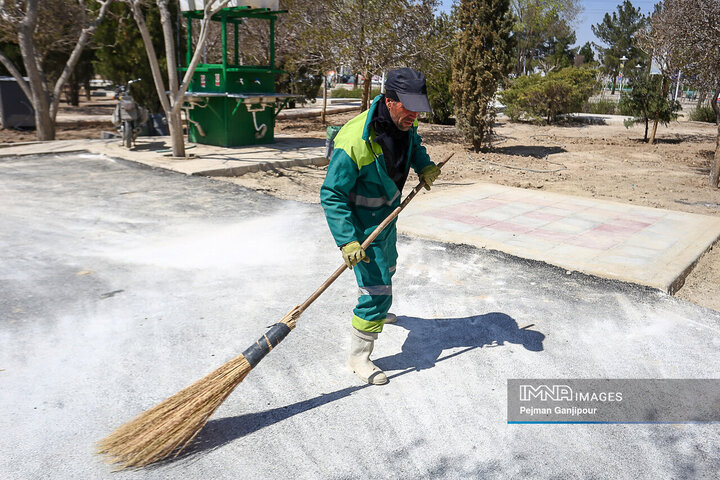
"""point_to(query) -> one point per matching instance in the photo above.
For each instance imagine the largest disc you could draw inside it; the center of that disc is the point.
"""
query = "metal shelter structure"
(229, 104)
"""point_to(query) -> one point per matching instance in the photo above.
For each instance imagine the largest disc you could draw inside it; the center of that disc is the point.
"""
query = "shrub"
(601, 107)
(648, 100)
(702, 113)
(354, 93)
(544, 98)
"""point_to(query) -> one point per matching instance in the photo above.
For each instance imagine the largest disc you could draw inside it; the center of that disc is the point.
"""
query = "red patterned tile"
(543, 216)
(550, 235)
(510, 227)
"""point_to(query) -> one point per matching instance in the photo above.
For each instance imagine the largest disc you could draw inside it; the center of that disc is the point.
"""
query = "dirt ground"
(602, 161)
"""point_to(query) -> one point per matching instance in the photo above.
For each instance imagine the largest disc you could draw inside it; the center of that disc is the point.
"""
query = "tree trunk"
(665, 87)
(325, 97)
(367, 84)
(45, 103)
(613, 86)
(40, 99)
(654, 131)
(177, 138)
(647, 122)
(74, 92)
(177, 92)
(701, 99)
(479, 137)
(85, 36)
(177, 142)
(715, 169)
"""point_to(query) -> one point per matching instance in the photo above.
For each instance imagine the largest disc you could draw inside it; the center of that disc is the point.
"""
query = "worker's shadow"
(423, 347)
(427, 339)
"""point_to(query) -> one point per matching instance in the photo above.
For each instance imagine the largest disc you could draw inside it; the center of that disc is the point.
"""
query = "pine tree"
(483, 58)
(618, 31)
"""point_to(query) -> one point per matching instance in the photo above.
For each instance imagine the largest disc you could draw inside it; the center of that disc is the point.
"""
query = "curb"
(263, 166)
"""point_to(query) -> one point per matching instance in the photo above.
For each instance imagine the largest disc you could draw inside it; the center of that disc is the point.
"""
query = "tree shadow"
(146, 145)
(535, 151)
(426, 340)
(676, 139)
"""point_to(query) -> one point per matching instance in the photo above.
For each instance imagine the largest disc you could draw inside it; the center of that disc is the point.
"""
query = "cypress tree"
(483, 58)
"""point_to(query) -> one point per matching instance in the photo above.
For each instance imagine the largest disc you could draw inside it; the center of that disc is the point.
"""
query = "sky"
(593, 13)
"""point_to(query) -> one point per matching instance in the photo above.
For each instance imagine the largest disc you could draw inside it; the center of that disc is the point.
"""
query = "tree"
(538, 22)
(657, 41)
(305, 50)
(555, 53)
(587, 53)
(690, 29)
(437, 67)
(121, 54)
(543, 98)
(483, 58)
(81, 76)
(372, 36)
(369, 36)
(38, 29)
(618, 32)
(172, 99)
(648, 100)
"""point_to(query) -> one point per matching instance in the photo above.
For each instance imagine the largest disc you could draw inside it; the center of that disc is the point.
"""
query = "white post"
(677, 87)
(382, 84)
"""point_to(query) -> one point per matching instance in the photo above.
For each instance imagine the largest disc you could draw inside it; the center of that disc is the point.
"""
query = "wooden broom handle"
(301, 308)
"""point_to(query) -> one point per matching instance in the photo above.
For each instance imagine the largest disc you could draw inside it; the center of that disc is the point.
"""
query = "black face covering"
(394, 143)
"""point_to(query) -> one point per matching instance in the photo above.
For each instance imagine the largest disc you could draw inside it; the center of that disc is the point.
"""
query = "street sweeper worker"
(370, 163)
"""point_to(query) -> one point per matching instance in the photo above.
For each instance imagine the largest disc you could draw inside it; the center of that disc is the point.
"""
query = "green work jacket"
(358, 193)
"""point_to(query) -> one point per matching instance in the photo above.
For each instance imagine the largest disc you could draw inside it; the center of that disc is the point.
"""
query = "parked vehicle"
(128, 115)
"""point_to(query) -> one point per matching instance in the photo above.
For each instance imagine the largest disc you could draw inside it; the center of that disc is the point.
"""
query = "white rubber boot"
(361, 346)
(391, 318)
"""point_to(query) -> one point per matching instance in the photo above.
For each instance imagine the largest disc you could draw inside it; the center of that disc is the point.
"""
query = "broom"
(170, 426)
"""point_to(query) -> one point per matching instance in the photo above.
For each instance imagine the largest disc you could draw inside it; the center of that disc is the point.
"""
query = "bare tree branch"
(82, 42)
(7, 63)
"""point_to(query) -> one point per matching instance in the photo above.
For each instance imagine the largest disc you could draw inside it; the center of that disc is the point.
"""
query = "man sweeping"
(368, 169)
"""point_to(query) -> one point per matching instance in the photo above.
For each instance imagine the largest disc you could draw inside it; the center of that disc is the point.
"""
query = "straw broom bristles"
(170, 426)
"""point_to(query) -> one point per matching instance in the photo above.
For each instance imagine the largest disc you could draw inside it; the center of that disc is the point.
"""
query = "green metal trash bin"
(229, 104)
(332, 132)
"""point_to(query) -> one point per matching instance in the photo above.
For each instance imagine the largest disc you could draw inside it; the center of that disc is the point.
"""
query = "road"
(122, 284)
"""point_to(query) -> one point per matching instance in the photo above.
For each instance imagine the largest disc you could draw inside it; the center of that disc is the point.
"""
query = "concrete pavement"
(203, 160)
(121, 285)
(631, 243)
(646, 246)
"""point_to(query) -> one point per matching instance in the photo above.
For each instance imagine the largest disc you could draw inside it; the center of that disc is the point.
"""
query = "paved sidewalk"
(646, 246)
(204, 160)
